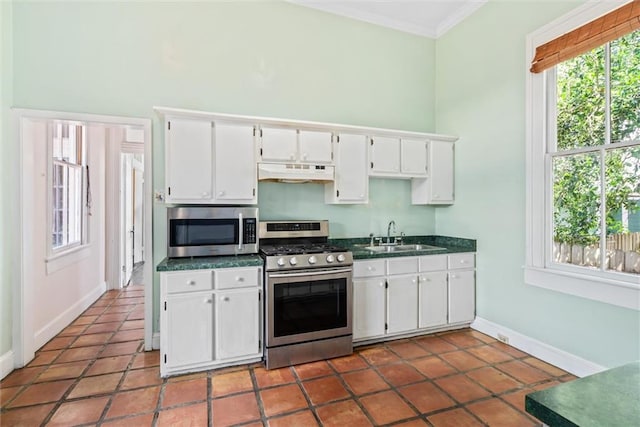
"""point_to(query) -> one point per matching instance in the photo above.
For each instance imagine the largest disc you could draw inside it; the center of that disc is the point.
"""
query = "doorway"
(132, 218)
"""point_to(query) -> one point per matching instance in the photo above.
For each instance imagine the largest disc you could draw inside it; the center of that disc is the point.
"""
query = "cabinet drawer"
(228, 278)
(403, 265)
(462, 261)
(433, 263)
(368, 268)
(188, 281)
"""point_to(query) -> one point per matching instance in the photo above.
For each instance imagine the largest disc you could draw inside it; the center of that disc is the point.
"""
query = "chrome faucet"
(391, 223)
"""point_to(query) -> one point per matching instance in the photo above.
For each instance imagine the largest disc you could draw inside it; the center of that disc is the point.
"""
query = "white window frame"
(610, 287)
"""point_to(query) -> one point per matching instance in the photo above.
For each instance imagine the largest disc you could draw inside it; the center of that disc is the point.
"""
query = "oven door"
(308, 305)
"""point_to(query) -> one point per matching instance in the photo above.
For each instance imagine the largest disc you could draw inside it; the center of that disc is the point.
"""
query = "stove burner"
(274, 250)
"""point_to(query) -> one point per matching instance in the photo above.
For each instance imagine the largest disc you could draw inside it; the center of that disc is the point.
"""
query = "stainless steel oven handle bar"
(240, 231)
(310, 273)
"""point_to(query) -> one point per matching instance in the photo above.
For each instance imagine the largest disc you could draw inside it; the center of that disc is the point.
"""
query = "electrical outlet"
(503, 338)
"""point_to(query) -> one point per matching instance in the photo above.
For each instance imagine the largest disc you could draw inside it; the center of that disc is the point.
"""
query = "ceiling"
(429, 18)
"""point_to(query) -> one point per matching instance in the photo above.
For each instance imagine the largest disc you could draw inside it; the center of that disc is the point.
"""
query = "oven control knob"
(312, 259)
(280, 262)
(341, 258)
(293, 261)
(330, 258)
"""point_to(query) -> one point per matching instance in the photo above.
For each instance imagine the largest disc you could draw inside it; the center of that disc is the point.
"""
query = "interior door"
(127, 230)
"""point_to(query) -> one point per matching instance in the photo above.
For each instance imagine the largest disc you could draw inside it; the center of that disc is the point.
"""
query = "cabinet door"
(351, 183)
(237, 323)
(235, 164)
(189, 151)
(315, 147)
(189, 329)
(441, 160)
(384, 155)
(413, 157)
(368, 307)
(433, 299)
(279, 145)
(462, 298)
(402, 304)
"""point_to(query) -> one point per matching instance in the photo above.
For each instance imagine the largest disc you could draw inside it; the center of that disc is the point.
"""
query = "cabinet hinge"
(331, 156)
(165, 358)
(254, 192)
(169, 190)
(386, 284)
(337, 193)
(371, 141)
(165, 306)
(371, 165)
(386, 326)
(169, 125)
(254, 131)
(260, 152)
(260, 133)
(338, 138)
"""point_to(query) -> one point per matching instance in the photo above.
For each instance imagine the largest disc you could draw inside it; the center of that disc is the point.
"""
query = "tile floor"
(95, 373)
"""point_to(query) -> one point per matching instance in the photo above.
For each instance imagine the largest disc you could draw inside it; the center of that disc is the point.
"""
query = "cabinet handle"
(453, 276)
(221, 193)
(413, 281)
(304, 156)
(208, 300)
(191, 282)
(362, 196)
(370, 268)
(225, 299)
(381, 284)
(239, 279)
(205, 194)
(462, 261)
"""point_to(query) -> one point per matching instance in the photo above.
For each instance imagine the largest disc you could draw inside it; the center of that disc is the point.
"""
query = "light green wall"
(273, 59)
(480, 80)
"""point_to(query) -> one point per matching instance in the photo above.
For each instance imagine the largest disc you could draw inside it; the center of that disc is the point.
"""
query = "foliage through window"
(67, 183)
(595, 162)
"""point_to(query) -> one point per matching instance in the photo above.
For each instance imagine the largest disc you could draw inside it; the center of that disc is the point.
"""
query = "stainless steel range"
(308, 293)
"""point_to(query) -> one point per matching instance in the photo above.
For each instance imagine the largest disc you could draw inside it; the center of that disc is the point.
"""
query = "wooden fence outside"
(623, 253)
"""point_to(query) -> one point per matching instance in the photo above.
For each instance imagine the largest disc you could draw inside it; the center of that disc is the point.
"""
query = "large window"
(583, 158)
(67, 186)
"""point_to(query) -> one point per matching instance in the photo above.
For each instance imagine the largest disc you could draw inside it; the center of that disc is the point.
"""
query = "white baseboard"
(560, 358)
(63, 320)
(6, 364)
(155, 341)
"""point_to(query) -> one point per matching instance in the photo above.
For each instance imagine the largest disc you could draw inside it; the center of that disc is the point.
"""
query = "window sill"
(64, 259)
(610, 291)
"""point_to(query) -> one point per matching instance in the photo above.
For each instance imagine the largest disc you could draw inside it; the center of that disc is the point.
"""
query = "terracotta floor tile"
(129, 335)
(283, 399)
(109, 365)
(94, 311)
(543, 366)
(493, 379)
(44, 358)
(63, 371)
(341, 414)
(490, 354)
(31, 416)
(433, 367)
(132, 324)
(462, 360)
(135, 421)
(41, 393)
(366, 381)
(72, 331)
(92, 339)
(120, 349)
(454, 418)
(413, 423)
(313, 370)
(567, 378)
(99, 384)
(348, 363)
(237, 409)
(545, 385)
(387, 407)
(192, 415)
(58, 343)
(516, 398)
(426, 397)
(103, 327)
(129, 300)
(497, 413)
(523, 372)
(400, 374)
(111, 317)
(434, 344)
(141, 378)
(271, 377)
(146, 359)
(378, 356)
(84, 320)
(8, 393)
(299, 419)
(462, 388)
(461, 339)
(136, 315)
(134, 402)
(81, 353)
(233, 382)
(22, 376)
(482, 337)
(407, 349)
(115, 308)
(324, 390)
(79, 412)
(188, 377)
(512, 351)
(184, 391)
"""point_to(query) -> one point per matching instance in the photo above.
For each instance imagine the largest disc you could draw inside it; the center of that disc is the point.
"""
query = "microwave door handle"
(240, 231)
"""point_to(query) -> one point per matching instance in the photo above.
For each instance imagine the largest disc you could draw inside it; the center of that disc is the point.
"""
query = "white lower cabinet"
(405, 295)
(209, 318)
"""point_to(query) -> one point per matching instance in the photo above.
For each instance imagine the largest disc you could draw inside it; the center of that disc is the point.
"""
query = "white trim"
(6, 364)
(458, 16)
(64, 259)
(155, 341)
(552, 355)
(54, 327)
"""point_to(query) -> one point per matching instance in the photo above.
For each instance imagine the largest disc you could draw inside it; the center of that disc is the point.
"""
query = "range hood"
(295, 172)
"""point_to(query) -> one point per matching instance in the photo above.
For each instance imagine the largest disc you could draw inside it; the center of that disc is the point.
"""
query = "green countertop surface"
(607, 399)
(200, 263)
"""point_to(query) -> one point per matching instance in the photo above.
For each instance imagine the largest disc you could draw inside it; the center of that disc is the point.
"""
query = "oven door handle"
(240, 231)
(310, 273)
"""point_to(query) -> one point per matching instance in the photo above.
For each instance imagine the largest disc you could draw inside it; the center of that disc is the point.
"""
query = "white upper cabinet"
(384, 155)
(413, 153)
(189, 160)
(235, 179)
(290, 145)
(315, 147)
(438, 187)
(351, 184)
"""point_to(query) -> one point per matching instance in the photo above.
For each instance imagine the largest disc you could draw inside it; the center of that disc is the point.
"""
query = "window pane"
(623, 209)
(576, 209)
(625, 88)
(581, 101)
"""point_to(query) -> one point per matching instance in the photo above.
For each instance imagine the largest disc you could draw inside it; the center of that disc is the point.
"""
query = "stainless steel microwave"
(210, 231)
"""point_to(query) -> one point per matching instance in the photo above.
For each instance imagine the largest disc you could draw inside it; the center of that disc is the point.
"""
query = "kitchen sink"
(402, 248)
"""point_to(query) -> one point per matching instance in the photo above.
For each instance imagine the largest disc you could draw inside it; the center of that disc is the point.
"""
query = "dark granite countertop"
(199, 263)
(448, 245)
(610, 398)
